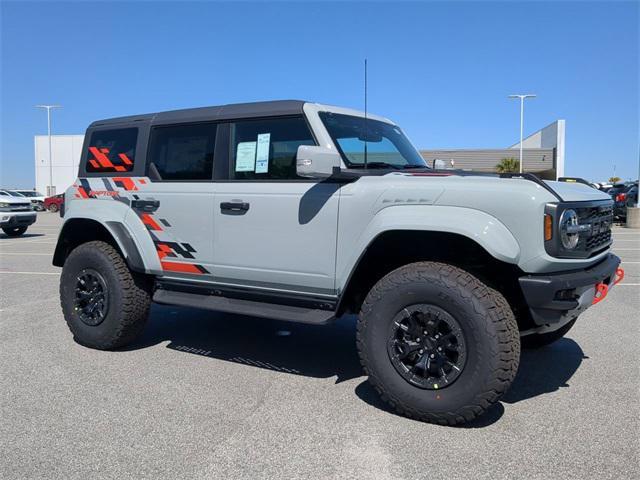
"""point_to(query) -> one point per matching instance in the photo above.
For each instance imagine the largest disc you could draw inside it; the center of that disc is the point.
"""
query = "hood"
(577, 192)
(13, 200)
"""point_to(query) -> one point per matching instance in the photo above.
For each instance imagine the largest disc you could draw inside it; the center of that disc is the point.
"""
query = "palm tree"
(508, 165)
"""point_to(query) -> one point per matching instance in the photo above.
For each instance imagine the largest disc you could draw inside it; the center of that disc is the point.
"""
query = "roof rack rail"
(533, 178)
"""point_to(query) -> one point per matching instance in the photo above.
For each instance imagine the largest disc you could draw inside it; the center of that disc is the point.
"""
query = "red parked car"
(54, 204)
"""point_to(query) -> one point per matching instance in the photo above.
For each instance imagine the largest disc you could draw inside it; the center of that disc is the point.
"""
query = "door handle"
(145, 205)
(234, 208)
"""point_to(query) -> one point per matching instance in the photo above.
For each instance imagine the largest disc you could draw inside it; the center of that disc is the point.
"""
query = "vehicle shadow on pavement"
(328, 351)
(309, 350)
(541, 371)
(545, 370)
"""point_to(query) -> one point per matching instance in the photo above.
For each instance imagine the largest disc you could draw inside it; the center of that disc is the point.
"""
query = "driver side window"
(266, 149)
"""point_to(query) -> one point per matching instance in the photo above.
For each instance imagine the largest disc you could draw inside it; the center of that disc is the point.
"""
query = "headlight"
(4, 205)
(569, 229)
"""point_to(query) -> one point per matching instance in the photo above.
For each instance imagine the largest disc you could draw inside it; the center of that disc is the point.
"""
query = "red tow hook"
(619, 276)
(602, 289)
(601, 293)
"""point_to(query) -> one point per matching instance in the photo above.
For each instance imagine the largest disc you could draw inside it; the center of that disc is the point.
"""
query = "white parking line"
(17, 241)
(41, 242)
(30, 273)
(25, 253)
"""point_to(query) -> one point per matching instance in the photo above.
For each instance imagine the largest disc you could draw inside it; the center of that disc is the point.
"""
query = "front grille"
(598, 237)
(20, 207)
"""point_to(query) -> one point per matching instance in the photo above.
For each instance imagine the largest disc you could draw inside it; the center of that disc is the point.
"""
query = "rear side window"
(182, 152)
(112, 150)
(266, 149)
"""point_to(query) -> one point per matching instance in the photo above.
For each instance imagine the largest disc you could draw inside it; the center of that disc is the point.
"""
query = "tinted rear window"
(112, 150)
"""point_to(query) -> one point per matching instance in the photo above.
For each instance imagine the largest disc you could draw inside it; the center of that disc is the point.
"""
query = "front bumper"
(561, 297)
(17, 219)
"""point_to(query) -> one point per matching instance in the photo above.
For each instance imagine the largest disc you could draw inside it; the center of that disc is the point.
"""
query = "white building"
(65, 157)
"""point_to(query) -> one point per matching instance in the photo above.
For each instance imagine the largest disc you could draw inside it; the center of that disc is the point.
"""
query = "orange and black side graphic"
(100, 161)
(125, 190)
(170, 249)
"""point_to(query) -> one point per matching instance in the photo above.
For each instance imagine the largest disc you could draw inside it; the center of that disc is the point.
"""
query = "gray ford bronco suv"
(304, 212)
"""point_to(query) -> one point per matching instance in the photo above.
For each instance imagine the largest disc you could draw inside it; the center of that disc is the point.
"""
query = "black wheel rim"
(91, 297)
(426, 346)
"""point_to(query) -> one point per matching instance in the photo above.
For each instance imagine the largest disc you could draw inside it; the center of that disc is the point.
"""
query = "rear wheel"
(53, 208)
(105, 305)
(437, 344)
(14, 231)
(539, 340)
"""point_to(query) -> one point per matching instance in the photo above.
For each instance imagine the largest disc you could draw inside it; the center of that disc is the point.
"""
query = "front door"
(273, 229)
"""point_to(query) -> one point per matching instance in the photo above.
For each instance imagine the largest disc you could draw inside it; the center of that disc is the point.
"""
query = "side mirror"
(439, 164)
(316, 162)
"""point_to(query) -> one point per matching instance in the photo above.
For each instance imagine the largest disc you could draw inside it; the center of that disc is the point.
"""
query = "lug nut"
(432, 355)
(439, 349)
(418, 339)
(421, 351)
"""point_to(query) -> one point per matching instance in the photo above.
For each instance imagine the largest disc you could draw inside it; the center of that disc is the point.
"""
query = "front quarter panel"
(479, 226)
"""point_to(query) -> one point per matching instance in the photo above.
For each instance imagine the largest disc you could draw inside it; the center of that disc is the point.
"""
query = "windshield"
(29, 193)
(384, 144)
(15, 194)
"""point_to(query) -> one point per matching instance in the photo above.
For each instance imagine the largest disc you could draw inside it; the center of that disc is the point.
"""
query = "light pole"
(49, 108)
(522, 97)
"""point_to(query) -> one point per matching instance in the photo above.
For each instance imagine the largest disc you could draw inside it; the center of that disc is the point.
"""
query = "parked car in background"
(37, 199)
(618, 194)
(623, 196)
(16, 214)
(54, 204)
(604, 187)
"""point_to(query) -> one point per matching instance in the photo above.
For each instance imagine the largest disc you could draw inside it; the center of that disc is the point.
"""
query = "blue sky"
(442, 70)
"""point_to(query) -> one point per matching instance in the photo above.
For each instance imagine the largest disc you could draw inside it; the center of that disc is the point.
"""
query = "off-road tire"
(14, 231)
(539, 340)
(53, 208)
(129, 297)
(486, 320)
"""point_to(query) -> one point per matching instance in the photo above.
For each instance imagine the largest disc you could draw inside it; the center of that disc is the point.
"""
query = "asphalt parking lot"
(207, 395)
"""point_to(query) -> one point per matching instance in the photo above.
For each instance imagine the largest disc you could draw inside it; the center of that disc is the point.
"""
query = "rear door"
(179, 197)
(273, 229)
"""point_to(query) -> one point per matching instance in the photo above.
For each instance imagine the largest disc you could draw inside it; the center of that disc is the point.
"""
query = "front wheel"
(437, 344)
(14, 231)
(104, 304)
(53, 208)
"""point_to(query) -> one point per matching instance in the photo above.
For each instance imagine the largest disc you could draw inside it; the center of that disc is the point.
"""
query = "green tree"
(614, 179)
(508, 165)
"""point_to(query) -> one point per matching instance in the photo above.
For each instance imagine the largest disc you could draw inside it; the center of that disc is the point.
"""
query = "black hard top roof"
(236, 110)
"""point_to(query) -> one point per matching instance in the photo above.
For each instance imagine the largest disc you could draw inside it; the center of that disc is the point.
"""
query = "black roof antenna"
(366, 129)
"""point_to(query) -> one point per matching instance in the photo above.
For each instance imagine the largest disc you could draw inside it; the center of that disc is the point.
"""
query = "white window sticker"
(262, 153)
(245, 156)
